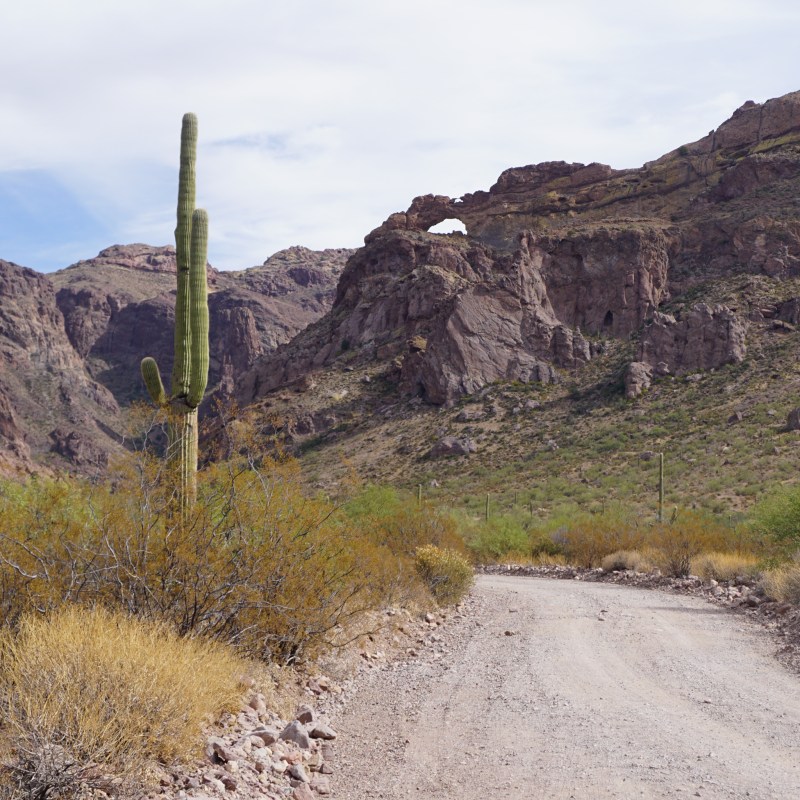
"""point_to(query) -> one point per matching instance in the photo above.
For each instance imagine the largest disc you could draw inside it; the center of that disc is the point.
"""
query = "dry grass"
(548, 560)
(626, 559)
(445, 572)
(91, 697)
(783, 583)
(725, 566)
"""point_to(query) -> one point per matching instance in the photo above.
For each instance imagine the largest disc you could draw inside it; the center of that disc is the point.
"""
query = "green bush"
(446, 573)
(778, 516)
(397, 521)
(504, 537)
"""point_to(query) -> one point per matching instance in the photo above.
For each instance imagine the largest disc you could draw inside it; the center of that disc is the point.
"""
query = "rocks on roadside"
(255, 755)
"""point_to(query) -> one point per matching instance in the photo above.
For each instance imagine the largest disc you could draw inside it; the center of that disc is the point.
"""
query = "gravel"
(575, 689)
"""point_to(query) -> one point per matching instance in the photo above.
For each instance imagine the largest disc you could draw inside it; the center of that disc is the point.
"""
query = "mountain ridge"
(71, 341)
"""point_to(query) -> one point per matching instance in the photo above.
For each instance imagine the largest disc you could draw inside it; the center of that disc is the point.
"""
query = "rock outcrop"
(484, 315)
(705, 337)
(558, 257)
(47, 400)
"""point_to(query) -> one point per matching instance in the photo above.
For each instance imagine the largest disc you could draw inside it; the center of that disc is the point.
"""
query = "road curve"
(566, 689)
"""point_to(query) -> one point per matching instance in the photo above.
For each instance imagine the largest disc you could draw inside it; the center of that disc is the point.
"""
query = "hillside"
(588, 316)
(71, 341)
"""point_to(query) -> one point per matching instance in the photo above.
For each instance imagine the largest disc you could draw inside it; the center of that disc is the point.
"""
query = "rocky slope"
(509, 350)
(71, 342)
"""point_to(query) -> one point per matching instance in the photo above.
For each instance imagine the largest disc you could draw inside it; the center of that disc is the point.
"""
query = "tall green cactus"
(190, 368)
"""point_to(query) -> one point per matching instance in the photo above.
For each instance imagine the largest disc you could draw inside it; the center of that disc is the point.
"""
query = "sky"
(319, 118)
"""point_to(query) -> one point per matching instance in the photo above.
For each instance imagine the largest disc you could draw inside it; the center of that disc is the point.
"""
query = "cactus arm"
(183, 241)
(152, 380)
(198, 309)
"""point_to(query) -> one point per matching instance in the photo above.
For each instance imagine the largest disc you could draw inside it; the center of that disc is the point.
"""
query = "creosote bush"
(255, 562)
(445, 572)
(687, 536)
(585, 539)
(91, 697)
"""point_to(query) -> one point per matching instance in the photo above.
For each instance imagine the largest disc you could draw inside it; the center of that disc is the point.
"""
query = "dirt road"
(600, 691)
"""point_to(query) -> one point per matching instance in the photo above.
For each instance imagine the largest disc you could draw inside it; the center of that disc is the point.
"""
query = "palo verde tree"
(190, 367)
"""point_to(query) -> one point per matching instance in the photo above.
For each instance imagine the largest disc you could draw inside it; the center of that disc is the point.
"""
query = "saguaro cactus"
(190, 368)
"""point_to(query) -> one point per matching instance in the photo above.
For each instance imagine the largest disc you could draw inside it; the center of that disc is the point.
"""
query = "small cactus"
(190, 367)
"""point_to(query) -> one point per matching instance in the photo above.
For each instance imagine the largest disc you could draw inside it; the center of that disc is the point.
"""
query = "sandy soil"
(565, 689)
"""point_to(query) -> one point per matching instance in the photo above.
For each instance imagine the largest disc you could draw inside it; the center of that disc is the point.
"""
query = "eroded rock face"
(605, 281)
(559, 251)
(705, 337)
(71, 342)
(483, 315)
(42, 378)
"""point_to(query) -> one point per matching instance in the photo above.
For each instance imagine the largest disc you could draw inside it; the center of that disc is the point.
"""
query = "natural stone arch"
(449, 225)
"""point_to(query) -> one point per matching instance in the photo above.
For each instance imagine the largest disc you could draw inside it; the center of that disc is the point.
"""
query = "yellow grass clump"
(783, 583)
(445, 572)
(725, 566)
(91, 698)
(626, 559)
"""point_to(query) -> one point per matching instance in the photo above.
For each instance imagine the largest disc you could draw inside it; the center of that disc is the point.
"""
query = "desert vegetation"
(255, 570)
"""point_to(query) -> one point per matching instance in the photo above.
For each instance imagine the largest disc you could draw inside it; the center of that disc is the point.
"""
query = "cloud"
(317, 119)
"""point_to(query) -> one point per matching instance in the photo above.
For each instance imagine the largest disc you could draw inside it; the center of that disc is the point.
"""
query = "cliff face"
(555, 253)
(48, 403)
(71, 342)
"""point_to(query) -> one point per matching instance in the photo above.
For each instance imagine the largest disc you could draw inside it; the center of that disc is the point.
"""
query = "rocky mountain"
(559, 258)
(71, 341)
(676, 284)
(606, 281)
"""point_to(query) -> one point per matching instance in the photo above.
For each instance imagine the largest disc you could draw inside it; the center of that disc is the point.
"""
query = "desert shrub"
(41, 519)
(688, 535)
(255, 563)
(725, 566)
(625, 559)
(783, 583)
(585, 539)
(445, 572)
(504, 537)
(778, 516)
(395, 520)
(91, 697)
(497, 538)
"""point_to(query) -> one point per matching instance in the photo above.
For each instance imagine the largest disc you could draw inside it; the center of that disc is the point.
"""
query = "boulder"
(295, 732)
(638, 377)
(452, 446)
(705, 337)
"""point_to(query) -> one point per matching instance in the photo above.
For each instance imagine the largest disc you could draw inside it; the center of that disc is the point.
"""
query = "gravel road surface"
(565, 689)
